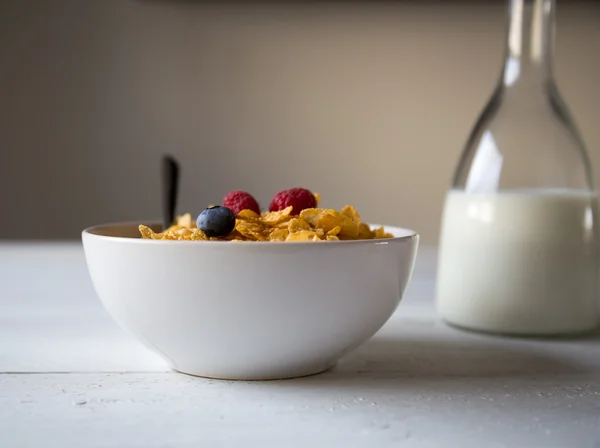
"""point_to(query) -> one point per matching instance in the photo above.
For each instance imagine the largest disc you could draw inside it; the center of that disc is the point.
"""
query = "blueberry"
(216, 221)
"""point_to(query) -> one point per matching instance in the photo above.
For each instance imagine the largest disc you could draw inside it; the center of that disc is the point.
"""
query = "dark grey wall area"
(365, 103)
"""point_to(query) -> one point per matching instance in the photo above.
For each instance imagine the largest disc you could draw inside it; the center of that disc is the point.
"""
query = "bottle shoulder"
(525, 137)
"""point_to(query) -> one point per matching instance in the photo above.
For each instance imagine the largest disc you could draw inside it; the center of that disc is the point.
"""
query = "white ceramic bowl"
(249, 311)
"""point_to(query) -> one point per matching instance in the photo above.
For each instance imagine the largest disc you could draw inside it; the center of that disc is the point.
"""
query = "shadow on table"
(450, 357)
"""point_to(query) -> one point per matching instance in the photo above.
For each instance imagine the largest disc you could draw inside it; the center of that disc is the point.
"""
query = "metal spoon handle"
(170, 189)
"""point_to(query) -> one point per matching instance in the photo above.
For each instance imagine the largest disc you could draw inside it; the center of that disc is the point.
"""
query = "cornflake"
(312, 224)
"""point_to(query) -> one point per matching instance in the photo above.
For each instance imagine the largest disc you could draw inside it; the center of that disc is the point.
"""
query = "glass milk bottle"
(519, 238)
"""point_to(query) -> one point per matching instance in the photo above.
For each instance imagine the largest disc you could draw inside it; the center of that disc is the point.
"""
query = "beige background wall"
(368, 103)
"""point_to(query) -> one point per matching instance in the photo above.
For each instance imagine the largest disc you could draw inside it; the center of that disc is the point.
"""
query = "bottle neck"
(530, 36)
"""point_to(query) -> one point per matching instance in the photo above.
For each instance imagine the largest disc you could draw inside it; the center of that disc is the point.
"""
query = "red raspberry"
(298, 198)
(240, 200)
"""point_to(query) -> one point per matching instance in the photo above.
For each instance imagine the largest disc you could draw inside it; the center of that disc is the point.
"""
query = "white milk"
(522, 262)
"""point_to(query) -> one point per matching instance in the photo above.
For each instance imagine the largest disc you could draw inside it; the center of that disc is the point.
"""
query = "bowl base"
(275, 376)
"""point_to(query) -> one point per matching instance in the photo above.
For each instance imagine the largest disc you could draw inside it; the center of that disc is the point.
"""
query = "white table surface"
(69, 377)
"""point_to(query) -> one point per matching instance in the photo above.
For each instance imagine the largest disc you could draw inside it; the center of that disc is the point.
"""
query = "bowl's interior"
(130, 230)
(122, 229)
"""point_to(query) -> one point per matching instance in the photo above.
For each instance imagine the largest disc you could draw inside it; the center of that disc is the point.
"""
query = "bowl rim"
(408, 234)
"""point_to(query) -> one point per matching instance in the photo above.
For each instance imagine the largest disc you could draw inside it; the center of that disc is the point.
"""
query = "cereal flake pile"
(293, 215)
